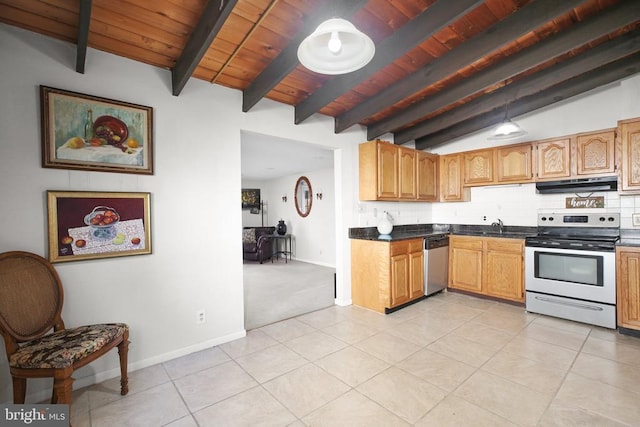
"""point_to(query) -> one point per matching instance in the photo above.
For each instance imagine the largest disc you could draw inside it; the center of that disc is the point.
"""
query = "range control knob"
(550, 218)
(602, 219)
(544, 218)
(611, 219)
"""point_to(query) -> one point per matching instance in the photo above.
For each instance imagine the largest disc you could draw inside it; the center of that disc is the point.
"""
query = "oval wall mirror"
(303, 196)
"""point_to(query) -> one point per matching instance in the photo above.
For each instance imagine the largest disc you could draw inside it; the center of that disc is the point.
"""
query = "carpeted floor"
(277, 291)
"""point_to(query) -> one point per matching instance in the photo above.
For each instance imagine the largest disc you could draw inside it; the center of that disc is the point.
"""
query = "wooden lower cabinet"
(385, 275)
(628, 287)
(487, 266)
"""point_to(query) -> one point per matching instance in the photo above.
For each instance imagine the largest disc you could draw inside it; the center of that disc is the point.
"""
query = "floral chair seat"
(63, 348)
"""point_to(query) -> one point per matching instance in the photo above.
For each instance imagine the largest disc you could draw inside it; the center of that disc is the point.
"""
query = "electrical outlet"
(200, 317)
(484, 217)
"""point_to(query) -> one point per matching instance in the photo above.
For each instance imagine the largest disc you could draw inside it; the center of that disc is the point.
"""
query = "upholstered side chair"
(36, 340)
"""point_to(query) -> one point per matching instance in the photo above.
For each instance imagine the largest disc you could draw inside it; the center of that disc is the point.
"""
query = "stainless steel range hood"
(581, 185)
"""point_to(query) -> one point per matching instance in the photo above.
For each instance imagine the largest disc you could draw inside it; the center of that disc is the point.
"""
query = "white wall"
(197, 260)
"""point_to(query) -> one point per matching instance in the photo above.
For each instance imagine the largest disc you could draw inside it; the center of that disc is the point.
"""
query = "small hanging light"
(336, 47)
(507, 129)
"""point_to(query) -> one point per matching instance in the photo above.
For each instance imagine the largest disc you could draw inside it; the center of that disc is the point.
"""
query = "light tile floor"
(450, 360)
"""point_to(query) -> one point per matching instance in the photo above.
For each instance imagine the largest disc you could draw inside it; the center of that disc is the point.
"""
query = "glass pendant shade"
(336, 47)
(507, 130)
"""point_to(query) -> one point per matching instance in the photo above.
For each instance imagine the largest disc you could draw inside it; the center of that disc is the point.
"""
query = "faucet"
(499, 225)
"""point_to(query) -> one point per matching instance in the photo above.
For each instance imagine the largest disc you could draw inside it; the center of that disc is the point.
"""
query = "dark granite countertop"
(404, 232)
(629, 237)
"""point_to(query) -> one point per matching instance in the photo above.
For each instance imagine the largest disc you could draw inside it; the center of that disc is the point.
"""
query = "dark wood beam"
(521, 22)
(83, 34)
(603, 54)
(579, 84)
(432, 20)
(214, 15)
(287, 60)
(577, 35)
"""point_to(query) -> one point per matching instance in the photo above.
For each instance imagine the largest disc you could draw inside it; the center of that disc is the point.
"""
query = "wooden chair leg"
(19, 389)
(123, 351)
(62, 386)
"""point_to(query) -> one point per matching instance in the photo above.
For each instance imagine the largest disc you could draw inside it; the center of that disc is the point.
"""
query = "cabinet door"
(407, 176)
(465, 263)
(554, 159)
(388, 170)
(416, 267)
(504, 269)
(514, 164)
(630, 137)
(596, 152)
(451, 189)
(478, 167)
(427, 178)
(628, 287)
(400, 278)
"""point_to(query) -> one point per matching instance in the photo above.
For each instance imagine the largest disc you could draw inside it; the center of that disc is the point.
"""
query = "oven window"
(585, 269)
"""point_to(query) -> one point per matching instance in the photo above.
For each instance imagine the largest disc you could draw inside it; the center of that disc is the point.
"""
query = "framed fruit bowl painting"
(87, 132)
(90, 225)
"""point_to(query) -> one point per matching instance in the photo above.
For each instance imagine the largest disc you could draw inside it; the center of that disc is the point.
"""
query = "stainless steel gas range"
(570, 267)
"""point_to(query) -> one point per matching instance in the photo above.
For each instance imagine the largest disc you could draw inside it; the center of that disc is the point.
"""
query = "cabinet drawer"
(406, 246)
(466, 242)
(505, 245)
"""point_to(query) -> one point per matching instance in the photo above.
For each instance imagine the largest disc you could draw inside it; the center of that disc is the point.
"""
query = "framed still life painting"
(90, 225)
(97, 134)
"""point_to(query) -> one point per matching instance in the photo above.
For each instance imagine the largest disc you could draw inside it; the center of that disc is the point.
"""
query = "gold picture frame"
(91, 225)
(86, 132)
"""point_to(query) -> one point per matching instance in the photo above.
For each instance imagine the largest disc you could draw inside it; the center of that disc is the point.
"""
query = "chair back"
(30, 296)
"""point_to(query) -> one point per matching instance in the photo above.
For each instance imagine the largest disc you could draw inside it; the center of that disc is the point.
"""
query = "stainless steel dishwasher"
(436, 263)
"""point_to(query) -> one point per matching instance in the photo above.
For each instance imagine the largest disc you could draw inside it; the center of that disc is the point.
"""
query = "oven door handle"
(569, 303)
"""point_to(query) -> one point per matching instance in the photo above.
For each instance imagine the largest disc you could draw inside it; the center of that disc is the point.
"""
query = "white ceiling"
(268, 157)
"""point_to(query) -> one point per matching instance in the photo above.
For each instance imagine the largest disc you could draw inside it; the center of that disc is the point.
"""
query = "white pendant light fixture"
(336, 47)
(507, 129)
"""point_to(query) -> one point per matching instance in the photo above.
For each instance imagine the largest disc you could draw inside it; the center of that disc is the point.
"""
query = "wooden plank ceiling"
(442, 69)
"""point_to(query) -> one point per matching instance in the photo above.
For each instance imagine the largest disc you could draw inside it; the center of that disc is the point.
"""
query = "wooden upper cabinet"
(451, 179)
(554, 159)
(629, 132)
(478, 167)
(427, 179)
(514, 163)
(407, 173)
(595, 152)
(378, 169)
(388, 186)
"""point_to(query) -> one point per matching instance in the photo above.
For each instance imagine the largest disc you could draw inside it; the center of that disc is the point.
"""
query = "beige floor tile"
(539, 376)
(306, 389)
(437, 369)
(514, 402)
(352, 366)
(567, 325)
(325, 317)
(476, 303)
(287, 329)
(271, 362)
(213, 385)
(504, 320)
(599, 398)
(187, 421)
(619, 351)
(553, 355)
(614, 336)
(315, 345)
(456, 311)
(420, 332)
(571, 340)
(80, 419)
(438, 321)
(195, 362)
(142, 379)
(150, 408)
(616, 374)
(456, 412)
(559, 416)
(374, 319)
(350, 332)
(353, 410)
(402, 393)
(387, 347)
(462, 350)
(255, 340)
(484, 334)
(251, 408)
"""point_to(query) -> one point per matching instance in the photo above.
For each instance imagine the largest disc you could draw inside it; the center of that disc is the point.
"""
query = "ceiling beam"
(513, 26)
(579, 84)
(578, 35)
(598, 56)
(212, 19)
(433, 19)
(287, 60)
(84, 19)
